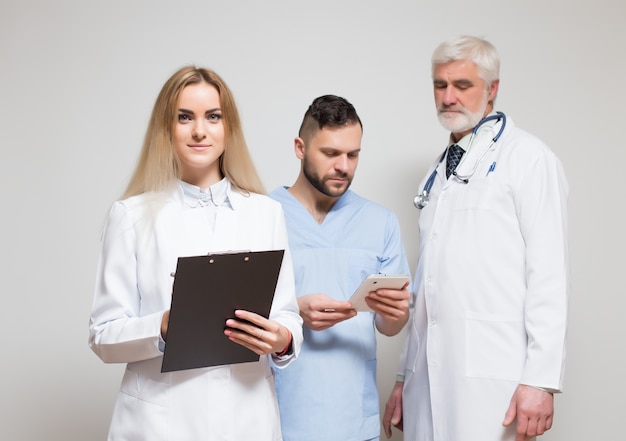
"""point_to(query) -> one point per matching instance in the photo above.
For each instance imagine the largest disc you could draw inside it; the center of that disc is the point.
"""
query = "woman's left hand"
(260, 335)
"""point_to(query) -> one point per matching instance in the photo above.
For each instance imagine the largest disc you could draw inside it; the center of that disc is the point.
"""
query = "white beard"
(462, 120)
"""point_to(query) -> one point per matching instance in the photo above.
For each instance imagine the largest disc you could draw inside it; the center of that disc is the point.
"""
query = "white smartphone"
(372, 283)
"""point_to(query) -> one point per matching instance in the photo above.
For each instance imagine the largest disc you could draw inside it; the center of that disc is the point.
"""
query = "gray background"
(78, 81)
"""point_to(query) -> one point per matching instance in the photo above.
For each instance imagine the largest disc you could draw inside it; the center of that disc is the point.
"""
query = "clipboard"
(206, 292)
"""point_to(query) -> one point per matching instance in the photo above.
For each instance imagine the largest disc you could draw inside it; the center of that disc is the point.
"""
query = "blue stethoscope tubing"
(421, 199)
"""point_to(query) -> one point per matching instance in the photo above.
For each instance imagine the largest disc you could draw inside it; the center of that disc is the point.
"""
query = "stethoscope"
(421, 199)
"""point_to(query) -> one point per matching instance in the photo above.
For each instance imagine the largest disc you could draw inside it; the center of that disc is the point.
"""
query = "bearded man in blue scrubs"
(337, 238)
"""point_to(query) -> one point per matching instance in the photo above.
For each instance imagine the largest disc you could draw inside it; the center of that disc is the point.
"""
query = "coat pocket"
(495, 346)
(140, 411)
(144, 388)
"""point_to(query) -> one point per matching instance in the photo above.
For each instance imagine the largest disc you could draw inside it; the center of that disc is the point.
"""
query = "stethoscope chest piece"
(421, 200)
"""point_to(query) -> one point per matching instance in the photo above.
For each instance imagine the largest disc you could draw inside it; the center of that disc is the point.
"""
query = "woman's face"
(199, 134)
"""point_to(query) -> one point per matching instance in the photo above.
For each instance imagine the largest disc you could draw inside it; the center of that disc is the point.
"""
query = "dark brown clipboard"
(206, 292)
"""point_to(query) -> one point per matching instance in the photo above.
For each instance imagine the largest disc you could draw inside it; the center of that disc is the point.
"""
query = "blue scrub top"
(330, 392)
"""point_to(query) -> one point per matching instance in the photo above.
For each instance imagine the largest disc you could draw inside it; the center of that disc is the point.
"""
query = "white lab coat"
(133, 289)
(491, 291)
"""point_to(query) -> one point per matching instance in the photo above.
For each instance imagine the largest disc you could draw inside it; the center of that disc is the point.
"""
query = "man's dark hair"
(327, 111)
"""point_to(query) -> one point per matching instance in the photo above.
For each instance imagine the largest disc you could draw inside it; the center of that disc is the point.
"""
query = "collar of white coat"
(233, 197)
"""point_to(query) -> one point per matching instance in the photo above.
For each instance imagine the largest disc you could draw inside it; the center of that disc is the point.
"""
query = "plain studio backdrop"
(78, 82)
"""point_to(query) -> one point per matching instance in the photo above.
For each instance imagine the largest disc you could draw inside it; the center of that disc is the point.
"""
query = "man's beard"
(320, 183)
(464, 120)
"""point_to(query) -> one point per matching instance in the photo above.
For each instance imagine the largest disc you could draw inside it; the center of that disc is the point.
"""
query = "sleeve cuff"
(545, 389)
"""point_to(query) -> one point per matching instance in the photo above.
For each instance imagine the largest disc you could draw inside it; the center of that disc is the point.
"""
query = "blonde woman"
(195, 190)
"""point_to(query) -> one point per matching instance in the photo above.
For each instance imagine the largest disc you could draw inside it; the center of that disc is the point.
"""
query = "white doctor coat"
(491, 291)
(133, 289)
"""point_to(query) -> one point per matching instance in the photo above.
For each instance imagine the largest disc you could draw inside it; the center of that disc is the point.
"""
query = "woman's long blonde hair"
(159, 166)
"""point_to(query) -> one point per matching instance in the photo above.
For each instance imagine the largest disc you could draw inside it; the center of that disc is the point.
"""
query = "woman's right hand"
(164, 322)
